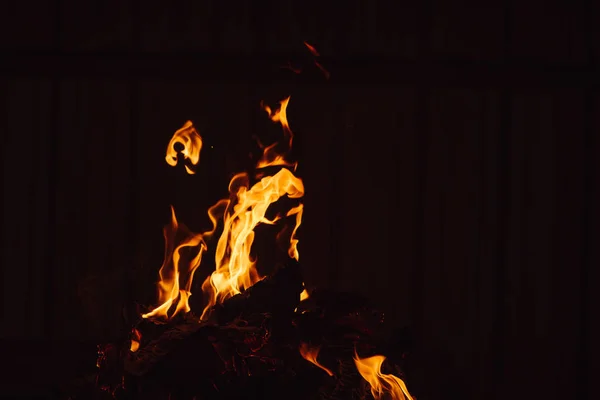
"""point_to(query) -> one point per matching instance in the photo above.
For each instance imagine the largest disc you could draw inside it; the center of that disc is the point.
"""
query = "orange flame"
(235, 269)
(135, 341)
(381, 384)
(271, 156)
(191, 141)
(310, 354)
(174, 265)
(304, 295)
(315, 53)
(312, 49)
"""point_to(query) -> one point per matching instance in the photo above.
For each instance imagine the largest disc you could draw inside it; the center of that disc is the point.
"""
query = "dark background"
(450, 162)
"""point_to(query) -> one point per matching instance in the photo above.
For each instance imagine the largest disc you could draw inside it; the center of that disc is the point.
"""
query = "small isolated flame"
(315, 53)
(191, 141)
(310, 354)
(177, 264)
(136, 336)
(381, 384)
(304, 295)
(312, 49)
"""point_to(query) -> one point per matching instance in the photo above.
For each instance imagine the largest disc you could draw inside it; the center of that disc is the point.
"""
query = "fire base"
(250, 348)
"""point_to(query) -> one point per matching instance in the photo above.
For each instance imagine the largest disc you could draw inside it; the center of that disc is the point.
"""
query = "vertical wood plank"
(25, 214)
(476, 35)
(91, 242)
(21, 29)
(557, 36)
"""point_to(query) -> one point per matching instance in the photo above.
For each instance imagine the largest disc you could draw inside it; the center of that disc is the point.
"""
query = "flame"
(310, 354)
(272, 157)
(192, 144)
(235, 269)
(312, 49)
(172, 268)
(315, 53)
(304, 295)
(381, 384)
(323, 70)
(135, 341)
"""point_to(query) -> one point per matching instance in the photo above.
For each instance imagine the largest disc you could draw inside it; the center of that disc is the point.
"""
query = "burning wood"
(264, 336)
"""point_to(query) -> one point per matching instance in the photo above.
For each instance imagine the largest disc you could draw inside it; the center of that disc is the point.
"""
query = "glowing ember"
(310, 354)
(188, 137)
(381, 384)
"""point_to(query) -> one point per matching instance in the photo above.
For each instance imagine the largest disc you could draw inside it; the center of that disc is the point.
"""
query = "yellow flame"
(174, 265)
(381, 384)
(191, 141)
(310, 354)
(304, 295)
(235, 269)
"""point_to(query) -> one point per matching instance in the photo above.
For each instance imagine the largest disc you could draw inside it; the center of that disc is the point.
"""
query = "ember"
(257, 336)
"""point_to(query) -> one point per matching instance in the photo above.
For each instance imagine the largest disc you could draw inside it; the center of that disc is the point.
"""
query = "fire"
(176, 264)
(190, 139)
(271, 155)
(310, 354)
(135, 340)
(312, 49)
(315, 53)
(246, 207)
(304, 295)
(381, 384)
(235, 268)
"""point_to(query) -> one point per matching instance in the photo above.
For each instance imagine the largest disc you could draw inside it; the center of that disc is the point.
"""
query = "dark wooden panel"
(96, 25)
(356, 28)
(27, 125)
(197, 26)
(28, 25)
(91, 209)
(376, 195)
(456, 205)
(468, 29)
(589, 348)
(548, 31)
(564, 323)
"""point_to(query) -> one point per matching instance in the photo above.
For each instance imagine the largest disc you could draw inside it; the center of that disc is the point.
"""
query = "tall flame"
(191, 141)
(235, 269)
(175, 267)
(381, 384)
(246, 207)
(310, 354)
